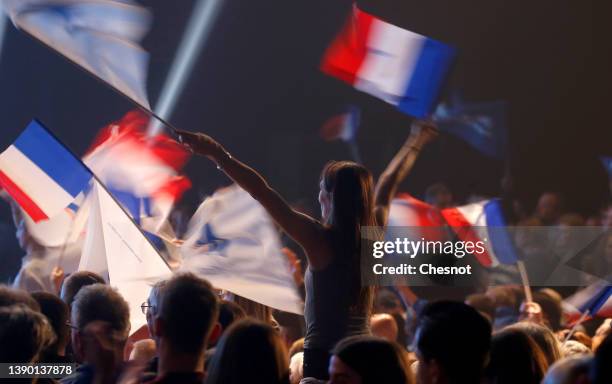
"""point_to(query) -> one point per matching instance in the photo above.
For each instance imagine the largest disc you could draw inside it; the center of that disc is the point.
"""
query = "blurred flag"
(596, 299)
(232, 242)
(142, 172)
(41, 174)
(119, 251)
(484, 221)
(102, 36)
(398, 66)
(344, 127)
(482, 125)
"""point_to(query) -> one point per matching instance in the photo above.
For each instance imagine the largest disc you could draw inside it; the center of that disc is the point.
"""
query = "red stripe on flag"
(24, 201)
(347, 52)
(465, 232)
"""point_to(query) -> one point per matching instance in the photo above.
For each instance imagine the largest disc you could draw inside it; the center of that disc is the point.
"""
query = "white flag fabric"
(101, 36)
(118, 250)
(232, 242)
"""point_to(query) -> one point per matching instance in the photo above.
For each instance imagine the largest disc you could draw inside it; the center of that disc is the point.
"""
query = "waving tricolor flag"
(41, 174)
(398, 66)
(142, 172)
(484, 221)
(594, 300)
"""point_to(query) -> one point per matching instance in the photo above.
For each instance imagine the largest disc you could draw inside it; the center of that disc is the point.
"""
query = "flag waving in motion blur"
(232, 242)
(102, 36)
(400, 67)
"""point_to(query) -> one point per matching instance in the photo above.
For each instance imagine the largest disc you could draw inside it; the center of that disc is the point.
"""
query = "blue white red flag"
(41, 174)
(596, 299)
(484, 221)
(400, 67)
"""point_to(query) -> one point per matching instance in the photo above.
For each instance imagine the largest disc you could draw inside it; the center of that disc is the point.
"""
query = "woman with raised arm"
(336, 305)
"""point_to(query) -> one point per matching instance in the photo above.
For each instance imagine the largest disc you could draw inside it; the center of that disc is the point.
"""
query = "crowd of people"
(349, 334)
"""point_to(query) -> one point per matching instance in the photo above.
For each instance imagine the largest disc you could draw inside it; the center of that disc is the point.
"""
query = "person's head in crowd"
(602, 368)
(578, 335)
(187, 314)
(24, 334)
(296, 347)
(57, 313)
(369, 360)
(383, 325)
(574, 348)
(552, 311)
(250, 351)
(386, 301)
(11, 296)
(452, 343)
(570, 370)
(483, 304)
(75, 281)
(549, 208)
(544, 337)
(100, 326)
(152, 303)
(251, 308)
(229, 312)
(439, 196)
(515, 358)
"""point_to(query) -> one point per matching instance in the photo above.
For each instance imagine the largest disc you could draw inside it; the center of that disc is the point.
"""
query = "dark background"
(257, 89)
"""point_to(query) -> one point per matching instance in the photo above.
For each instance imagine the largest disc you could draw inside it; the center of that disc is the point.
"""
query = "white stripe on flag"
(392, 56)
(34, 182)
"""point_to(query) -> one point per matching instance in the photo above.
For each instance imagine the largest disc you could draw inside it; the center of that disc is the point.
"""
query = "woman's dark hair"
(515, 358)
(543, 336)
(250, 351)
(352, 207)
(375, 360)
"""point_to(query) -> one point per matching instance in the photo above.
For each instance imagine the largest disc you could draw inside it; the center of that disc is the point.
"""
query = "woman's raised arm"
(305, 230)
(421, 133)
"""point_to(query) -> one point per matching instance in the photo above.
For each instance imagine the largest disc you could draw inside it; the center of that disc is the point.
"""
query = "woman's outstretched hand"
(199, 143)
(423, 132)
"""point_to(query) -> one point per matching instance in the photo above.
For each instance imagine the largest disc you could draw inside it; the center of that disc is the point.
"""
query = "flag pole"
(574, 328)
(355, 151)
(96, 179)
(525, 279)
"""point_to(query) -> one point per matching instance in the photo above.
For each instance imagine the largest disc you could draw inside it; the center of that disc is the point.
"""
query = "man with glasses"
(100, 327)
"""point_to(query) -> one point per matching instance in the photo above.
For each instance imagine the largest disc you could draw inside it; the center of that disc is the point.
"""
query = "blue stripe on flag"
(427, 78)
(502, 243)
(597, 301)
(43, 149)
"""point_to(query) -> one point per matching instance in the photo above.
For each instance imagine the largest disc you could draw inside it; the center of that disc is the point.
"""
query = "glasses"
(145, 307)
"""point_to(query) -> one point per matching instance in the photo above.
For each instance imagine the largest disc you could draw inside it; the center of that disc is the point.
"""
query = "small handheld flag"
(481, 125)
(41, 174)
(400, 67)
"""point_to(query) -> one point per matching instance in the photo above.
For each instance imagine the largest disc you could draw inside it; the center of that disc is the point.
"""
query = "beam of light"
(194, 38)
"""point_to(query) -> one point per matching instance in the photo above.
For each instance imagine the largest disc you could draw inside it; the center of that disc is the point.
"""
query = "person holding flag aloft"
(337, 305)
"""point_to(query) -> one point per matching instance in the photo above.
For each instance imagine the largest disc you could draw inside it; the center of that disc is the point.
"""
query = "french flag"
(416, 217)
(400, 67)
(484, 221)
(41, 174)
(594, 300)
